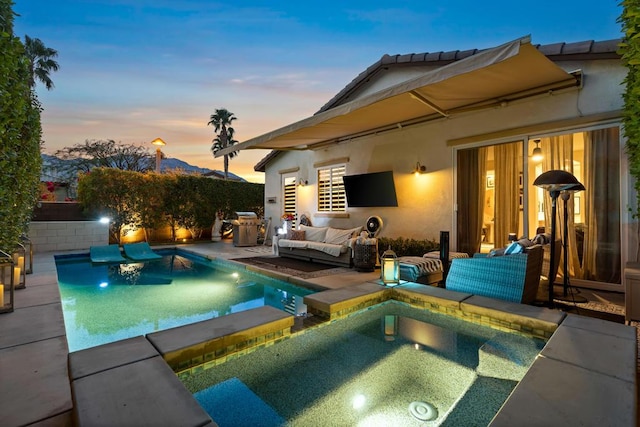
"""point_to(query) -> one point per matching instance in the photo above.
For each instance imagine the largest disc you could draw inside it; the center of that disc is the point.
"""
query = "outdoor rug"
(260, 249)
(293, 267)
(599, 311)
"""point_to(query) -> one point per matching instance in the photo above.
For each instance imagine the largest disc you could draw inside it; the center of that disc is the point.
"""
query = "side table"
(364, 256)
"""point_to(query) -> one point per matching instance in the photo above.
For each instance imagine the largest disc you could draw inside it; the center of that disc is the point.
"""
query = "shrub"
(407, 247)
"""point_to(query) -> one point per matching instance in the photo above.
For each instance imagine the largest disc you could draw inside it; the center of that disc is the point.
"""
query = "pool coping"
(549, 393)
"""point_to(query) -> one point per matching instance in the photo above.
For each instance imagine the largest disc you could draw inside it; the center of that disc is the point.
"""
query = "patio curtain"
(600, 245)
(471, 191)
(593, 246)
(507, 194)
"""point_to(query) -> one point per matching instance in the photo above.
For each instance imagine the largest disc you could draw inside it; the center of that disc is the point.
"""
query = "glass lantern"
(19, 271)
(28, 254)
(390, 268)
(6, 282)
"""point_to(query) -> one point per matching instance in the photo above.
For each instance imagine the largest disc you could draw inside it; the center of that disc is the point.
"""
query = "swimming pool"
(389, 365)
(106, 303)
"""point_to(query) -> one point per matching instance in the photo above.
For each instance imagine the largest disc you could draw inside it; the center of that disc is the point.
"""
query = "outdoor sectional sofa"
(326, 245)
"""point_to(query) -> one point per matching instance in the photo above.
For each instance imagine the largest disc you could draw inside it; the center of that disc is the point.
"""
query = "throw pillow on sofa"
(513, 248)
(296, 234)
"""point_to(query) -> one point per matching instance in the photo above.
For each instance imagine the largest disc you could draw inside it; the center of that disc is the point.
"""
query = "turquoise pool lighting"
(106, 303)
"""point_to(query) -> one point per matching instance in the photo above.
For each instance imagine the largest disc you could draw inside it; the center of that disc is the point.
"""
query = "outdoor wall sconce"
(536, 155)
(420, 169)
(555, 181)
(302, 182)
(19, 272)
(390, 268)
(6, 282)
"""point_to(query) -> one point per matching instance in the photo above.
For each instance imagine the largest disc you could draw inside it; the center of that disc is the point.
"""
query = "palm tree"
(221, 120)
(218, 145)
(41, 61)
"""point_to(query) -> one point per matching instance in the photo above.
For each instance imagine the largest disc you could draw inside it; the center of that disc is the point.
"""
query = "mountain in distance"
(167, 164)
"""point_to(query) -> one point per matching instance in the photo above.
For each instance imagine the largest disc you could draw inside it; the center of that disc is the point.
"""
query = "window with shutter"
(289, 196)
(331, 195)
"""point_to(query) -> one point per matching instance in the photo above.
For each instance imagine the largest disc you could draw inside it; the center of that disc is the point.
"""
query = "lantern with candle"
(19, 271)
(28, 254)
(390, 268)
(7, 266)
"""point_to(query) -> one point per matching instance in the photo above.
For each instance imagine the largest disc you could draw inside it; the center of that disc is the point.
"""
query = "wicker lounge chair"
(511, 277)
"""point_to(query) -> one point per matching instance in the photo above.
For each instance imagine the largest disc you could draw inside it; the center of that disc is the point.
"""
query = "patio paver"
(147, 393)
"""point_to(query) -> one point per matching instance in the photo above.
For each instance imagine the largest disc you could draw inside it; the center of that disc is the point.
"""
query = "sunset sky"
(140, 69)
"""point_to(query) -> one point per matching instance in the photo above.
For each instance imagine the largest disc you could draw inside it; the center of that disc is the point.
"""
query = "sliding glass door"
(496, 197)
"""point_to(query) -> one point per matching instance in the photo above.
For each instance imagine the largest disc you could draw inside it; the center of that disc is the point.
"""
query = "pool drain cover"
(423, 411)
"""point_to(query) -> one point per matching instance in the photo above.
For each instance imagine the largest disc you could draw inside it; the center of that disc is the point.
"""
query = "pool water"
(392, 365)
(110, 302)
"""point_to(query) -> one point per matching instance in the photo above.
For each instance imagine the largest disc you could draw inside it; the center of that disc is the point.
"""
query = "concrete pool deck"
(585, 375)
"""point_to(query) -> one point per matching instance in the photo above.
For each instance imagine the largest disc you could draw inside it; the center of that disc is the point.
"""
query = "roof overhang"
(491, 77)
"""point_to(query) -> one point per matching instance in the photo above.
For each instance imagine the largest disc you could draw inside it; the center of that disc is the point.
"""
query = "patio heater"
(566, 195)
(555, 181)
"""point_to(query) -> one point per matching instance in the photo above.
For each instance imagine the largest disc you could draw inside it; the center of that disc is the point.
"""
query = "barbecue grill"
(245, 229)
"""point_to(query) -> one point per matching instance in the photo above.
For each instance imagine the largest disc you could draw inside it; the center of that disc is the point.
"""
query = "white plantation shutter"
(289, 196)
(331, 195)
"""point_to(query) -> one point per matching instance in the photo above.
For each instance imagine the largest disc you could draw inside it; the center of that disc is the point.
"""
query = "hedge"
(20, 134)
(134, 200)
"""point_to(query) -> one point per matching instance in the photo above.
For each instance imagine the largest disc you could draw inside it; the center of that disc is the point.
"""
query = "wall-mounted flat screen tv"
(370, 189)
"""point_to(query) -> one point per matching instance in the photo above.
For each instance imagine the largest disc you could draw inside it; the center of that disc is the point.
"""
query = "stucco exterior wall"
(426, 203)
